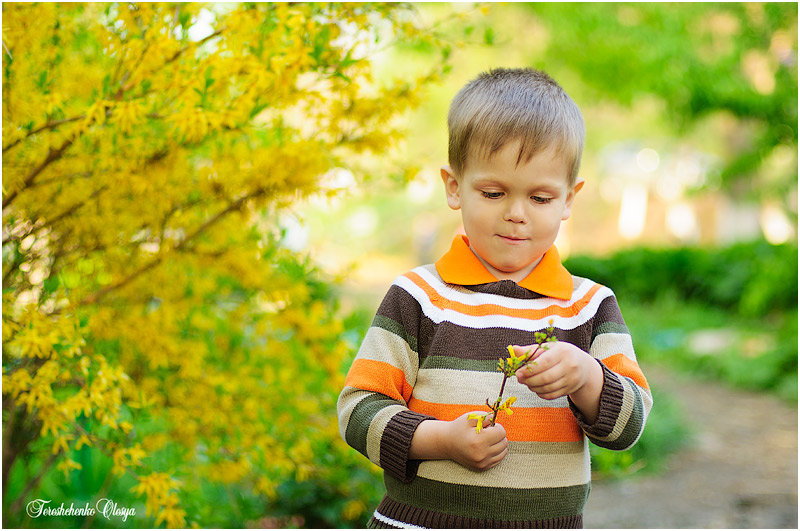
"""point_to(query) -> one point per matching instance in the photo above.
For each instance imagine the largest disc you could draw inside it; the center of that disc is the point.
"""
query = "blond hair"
(522, 104)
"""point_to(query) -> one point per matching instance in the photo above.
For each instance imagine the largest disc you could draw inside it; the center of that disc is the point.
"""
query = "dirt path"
(739, 472)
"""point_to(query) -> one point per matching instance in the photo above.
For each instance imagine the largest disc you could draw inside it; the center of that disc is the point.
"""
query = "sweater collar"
(460, 266)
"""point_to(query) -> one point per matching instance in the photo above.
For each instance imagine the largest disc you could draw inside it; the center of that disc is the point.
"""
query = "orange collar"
(460, 266)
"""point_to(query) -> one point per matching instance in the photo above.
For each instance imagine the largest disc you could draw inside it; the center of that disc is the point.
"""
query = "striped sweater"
(431, 353)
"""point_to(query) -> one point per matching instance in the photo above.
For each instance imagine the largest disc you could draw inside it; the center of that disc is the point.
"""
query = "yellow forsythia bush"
(150, 313)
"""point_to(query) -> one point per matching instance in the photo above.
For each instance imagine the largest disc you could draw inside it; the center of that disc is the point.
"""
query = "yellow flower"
(479, 418)
(67, 465)
(506, 406)
(83, 440)
(353, 509)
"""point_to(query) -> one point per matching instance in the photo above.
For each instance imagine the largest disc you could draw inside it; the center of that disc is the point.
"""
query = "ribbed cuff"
(396, 443)
(610, 405)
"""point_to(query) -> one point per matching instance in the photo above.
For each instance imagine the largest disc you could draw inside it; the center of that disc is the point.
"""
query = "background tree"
(158, 339)
(733, 59)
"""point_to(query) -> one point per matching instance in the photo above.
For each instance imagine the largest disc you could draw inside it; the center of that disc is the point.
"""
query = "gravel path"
(739, 472)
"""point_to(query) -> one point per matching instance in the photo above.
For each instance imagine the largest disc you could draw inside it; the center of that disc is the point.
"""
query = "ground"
(738, 471)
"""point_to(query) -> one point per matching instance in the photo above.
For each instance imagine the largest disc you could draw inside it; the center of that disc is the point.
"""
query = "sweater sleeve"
(625, 398)
(373, 414)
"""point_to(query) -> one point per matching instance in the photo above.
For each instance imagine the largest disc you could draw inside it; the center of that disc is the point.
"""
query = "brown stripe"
(396, 442)
(448, 339)
(436, 520)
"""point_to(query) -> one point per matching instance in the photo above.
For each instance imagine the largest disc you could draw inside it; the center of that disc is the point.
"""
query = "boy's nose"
(515, 212)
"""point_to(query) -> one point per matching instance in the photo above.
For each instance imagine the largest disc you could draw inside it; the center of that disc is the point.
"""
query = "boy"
(429, 359)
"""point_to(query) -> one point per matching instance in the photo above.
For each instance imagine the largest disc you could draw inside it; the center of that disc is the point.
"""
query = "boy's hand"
(457, 440)
(479, 451)
(564, 369)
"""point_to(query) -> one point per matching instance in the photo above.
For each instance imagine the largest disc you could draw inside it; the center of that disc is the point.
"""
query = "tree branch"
(52, 155)
(29, 486)
(44, 127)
(235, 205)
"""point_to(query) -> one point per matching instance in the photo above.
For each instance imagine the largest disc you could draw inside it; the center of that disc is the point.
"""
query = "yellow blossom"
(142, 218)
(353, 509)
(68, 464)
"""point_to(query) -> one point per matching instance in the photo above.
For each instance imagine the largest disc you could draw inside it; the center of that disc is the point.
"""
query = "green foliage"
(757, 354)
(751, 279)
(699, 59)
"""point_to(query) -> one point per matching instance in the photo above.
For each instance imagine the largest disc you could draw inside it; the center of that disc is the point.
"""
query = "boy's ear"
(451, 187)
(579, 182)
(571, 197)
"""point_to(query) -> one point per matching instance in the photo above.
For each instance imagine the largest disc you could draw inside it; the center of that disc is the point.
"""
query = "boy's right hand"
(478, 451)
(458, 440)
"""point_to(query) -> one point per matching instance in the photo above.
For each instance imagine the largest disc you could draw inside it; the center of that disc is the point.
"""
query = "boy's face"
(511, 213)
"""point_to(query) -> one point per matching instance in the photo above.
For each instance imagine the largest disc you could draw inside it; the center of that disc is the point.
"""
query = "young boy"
(430, 357)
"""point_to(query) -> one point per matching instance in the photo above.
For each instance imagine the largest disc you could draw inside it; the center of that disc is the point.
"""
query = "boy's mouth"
(512, 239)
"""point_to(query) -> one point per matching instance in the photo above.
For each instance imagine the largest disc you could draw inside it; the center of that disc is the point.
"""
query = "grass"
(710, 343)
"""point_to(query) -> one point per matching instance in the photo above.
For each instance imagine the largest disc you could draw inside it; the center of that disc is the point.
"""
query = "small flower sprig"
(508, 366)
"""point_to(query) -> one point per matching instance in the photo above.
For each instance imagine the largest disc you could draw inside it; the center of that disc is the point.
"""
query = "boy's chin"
(510, 270)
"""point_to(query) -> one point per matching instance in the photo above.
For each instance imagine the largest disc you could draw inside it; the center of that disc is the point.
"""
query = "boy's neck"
(516, 276)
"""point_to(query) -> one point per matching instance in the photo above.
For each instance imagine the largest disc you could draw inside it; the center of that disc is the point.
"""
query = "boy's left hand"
(563, 369)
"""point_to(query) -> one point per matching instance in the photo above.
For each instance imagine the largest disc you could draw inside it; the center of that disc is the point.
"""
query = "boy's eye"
(492, 195)
(541, 200)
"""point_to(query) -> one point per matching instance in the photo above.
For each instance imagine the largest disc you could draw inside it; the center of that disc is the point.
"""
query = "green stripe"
(390, 325)
(489, 502)
(459, 364)
(610, 327)
(360, 419)
(546, 448)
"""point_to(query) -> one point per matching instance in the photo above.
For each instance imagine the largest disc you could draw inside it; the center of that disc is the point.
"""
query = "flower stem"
(495, 409)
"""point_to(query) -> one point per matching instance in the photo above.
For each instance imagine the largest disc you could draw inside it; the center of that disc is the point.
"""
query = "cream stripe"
(611, 343)
(647, 401)
(438, 315)
(382, 345)
(376, 428)
(471, 298)
(456, 387)
(517, 470)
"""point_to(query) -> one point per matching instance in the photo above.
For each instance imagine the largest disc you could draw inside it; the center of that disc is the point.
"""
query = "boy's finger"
(525, 350)
(499, 446)
(494, 433)
(495, 460)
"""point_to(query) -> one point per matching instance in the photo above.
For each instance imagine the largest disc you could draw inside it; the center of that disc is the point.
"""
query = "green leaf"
(51, 284)
(489, 36)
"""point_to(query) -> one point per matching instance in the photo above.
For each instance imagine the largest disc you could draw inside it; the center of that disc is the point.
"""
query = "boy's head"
(516, 140)
(522, 104)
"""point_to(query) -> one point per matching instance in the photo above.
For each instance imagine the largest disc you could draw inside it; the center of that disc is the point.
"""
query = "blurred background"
(203, 205)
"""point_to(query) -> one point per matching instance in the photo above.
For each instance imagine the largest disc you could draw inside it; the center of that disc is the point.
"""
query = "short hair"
(522, 104)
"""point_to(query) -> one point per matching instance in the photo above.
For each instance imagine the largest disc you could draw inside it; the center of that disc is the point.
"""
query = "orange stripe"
(621, 364)
(544, 424)
(379, 377)
(483, 310)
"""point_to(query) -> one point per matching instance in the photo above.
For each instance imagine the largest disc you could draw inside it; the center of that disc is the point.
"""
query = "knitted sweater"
(431, 353)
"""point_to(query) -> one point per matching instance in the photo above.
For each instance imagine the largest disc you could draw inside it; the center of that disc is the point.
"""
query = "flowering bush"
(150, 312)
